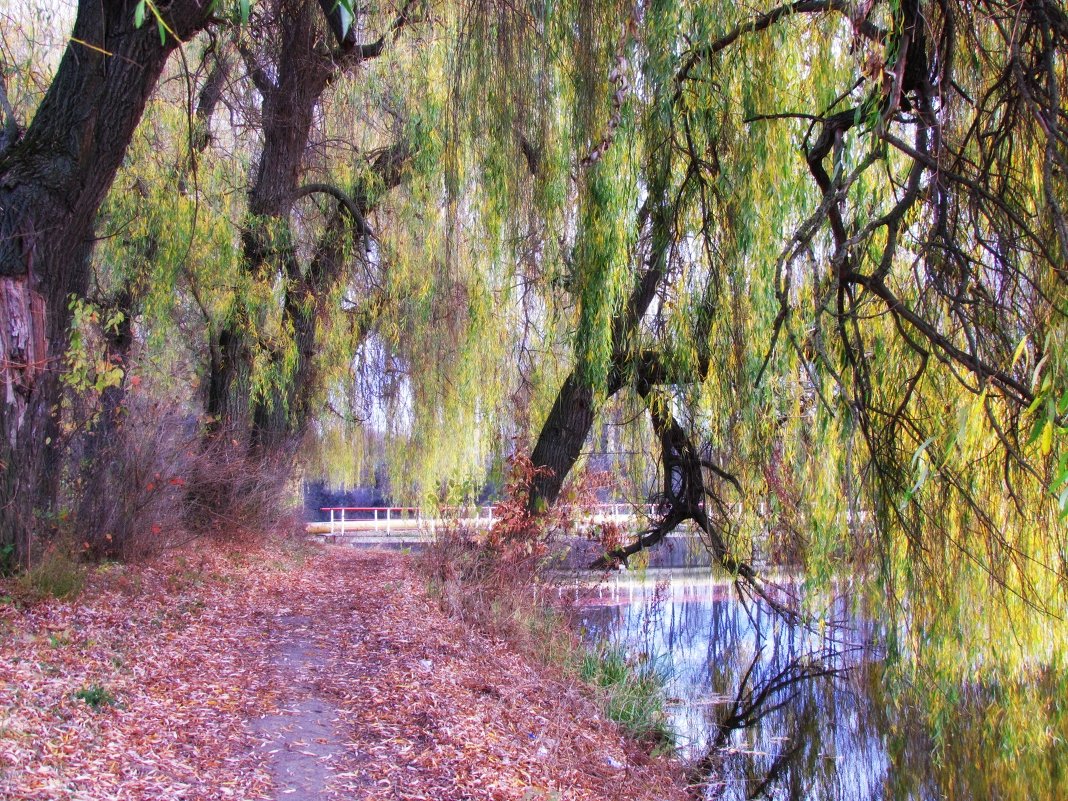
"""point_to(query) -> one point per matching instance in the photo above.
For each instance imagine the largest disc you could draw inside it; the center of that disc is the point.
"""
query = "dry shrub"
(492, 577)
(238, 494)
(495, 579)
(154, 481)
(126, 501)
(498, 591)
(56, 574)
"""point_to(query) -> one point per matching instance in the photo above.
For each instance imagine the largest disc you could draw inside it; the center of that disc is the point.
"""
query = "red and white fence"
(385, 519)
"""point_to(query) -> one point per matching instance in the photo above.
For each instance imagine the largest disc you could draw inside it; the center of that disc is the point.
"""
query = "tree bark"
(571, 418)
(52, 183)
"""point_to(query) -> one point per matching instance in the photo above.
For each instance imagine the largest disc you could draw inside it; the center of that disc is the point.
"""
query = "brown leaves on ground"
(174, 681)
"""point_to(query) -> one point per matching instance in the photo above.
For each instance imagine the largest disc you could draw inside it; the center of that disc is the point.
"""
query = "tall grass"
(631, 692)
(58, 573)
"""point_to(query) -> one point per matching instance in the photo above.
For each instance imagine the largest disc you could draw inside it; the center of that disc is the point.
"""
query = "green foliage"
(861, 434)
(88, 367)
(96, 696)
(631, 692)
(56, 574)
(884, 374)
(7, 559)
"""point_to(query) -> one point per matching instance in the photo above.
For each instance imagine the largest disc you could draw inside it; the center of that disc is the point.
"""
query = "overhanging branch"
(342, 197)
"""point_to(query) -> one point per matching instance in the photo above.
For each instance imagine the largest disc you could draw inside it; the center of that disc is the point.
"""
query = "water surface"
(777, 711)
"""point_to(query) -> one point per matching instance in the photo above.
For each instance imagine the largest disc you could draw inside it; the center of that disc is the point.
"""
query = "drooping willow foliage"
(812, 254)
(853, 218)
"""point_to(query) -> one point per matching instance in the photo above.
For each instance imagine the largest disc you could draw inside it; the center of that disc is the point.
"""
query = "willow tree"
(53, 178)
(824, 246)
(256, 385)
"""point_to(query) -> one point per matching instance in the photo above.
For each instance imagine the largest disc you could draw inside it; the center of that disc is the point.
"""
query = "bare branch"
(10, 133)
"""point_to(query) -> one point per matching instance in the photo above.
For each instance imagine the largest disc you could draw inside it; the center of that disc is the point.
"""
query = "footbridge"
(412, 523)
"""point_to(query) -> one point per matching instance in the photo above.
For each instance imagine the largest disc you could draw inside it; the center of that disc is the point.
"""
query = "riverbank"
(270, 673)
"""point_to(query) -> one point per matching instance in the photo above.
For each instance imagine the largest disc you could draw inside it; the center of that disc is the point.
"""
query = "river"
(777, 711)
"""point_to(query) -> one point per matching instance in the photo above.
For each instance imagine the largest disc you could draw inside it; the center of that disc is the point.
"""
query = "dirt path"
(417, 705)
(303, 737)
(335, 679)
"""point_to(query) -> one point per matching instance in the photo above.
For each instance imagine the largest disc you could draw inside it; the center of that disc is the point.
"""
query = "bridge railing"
(407, 518)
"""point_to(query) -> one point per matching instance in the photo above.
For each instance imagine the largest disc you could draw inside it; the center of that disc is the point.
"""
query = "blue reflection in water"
(764, 709)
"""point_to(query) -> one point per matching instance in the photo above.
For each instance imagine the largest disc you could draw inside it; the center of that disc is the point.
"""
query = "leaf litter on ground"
(208, 665)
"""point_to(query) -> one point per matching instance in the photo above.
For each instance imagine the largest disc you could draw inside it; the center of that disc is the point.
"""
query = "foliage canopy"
(820, 245)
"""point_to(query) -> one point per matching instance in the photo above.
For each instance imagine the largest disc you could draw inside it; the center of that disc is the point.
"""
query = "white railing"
(409, 518)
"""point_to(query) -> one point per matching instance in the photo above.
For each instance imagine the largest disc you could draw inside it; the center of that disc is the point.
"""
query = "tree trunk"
(52, 183)
(272, 419)
(571, 418)
(560, 441)
(289, 101)
(284, 415)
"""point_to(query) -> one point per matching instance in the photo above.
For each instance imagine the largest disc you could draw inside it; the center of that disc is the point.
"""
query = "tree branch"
(1017, 391)
(348, 50)
(342, 197)
(765, 21)
(10, 134)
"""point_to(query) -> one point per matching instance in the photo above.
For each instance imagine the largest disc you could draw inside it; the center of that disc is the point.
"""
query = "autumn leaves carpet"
(329, 674)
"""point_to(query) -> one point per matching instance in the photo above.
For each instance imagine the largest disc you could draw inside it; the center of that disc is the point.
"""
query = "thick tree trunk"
(571, 418)
(289, 101)
(280, 417)
(572, 415)
(52, 183)
(560, 441)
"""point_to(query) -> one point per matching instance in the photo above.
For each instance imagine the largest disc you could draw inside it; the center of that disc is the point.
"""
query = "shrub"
(56, 574)
(127, 478)
(234, 494)
(155, 481)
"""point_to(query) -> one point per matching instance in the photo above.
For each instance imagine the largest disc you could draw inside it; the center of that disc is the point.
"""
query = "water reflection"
(768, 710)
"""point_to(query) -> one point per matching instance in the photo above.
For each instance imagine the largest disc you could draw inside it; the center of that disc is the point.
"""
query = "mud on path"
(334, 677)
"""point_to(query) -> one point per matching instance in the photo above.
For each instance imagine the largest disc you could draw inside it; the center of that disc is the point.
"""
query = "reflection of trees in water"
(791, 725)
(772, 711)
(768, 710)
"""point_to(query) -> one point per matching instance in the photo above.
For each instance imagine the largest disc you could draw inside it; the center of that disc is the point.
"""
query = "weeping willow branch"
(342, 197)
(1019, 393)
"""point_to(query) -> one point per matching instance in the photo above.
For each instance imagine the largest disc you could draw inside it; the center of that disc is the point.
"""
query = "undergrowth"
(59, 573)
(496, 580)
(96, 696)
